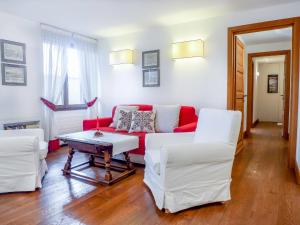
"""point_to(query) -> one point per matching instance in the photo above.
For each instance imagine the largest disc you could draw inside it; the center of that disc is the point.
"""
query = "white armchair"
(22, 159)
(184, 170)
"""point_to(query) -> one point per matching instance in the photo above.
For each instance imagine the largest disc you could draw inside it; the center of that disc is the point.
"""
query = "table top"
(121, 142)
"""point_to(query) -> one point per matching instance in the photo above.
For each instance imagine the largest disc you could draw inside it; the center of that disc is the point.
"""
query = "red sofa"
(187, 123)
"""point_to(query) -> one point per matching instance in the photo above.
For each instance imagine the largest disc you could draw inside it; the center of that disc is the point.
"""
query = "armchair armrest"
(158, 140)
(90, 124)
(12, 145)
(190, 127)
(37, 132)
(195, 153)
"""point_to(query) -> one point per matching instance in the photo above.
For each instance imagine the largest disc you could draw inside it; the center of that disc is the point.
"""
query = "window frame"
(66, 106)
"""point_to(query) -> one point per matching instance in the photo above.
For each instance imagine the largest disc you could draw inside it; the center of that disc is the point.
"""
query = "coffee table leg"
(69, 161)
(107, 160)
(92, 160)
(128, 162)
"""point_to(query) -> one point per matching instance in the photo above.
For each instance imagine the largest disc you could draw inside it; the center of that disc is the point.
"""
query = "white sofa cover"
(184, 170)
(22, 159)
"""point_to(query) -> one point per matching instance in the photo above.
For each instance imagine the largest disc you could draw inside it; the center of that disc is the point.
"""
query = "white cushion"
(215, 125)
(43, 147)
(167, 117)
(117, 112)
(152, 158)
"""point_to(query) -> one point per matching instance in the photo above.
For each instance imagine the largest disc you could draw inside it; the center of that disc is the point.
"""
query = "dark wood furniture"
(96, 149)
(21, 125)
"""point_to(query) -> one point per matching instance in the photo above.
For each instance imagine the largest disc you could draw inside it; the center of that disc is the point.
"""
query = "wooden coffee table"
(104, 147)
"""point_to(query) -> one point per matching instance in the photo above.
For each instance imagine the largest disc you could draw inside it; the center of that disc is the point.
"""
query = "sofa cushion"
(124, 121)
(166, 119)
(187, 115)
(142, 121)
(117, 113)
(152, 158)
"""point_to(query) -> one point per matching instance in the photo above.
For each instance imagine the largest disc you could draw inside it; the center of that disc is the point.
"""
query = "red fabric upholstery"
(187, 123)
(191, 127)
(141, 108)
(187, 115)
(90, 124)
(53, 145)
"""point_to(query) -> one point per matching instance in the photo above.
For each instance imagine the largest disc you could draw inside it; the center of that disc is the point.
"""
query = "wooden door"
(239, 87)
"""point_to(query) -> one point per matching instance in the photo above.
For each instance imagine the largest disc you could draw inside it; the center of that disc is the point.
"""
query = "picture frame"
(273, 83)
(13, 52)
(13, 75)
(151, 77)
(150, 59)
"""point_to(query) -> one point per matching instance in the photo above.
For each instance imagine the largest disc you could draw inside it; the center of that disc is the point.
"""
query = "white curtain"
(55, 71)
(55, 47)
(89, 70)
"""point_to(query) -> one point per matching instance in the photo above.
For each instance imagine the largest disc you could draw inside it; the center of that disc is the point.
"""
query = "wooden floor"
(263, 192)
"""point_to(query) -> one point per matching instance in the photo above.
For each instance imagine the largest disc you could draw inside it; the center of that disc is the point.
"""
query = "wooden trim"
(297, 173)
(250, 85)
(254, 124)
(271, 25)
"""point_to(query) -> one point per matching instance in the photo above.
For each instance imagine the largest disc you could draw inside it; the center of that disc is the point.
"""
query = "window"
(71, 98)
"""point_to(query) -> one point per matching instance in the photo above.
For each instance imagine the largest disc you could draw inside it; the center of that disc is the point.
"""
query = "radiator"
(68, 121)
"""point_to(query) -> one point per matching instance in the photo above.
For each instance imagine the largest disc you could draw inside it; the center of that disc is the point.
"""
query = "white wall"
(17, 103)
(200, 82)
(269, 105)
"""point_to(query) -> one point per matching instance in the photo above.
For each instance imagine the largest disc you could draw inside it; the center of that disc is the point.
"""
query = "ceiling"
(271, 36)
(116, 17)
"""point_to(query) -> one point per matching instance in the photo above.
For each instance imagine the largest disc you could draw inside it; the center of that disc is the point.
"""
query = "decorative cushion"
(124, 121)
(167, 118)
(117, 112)
(142, 121)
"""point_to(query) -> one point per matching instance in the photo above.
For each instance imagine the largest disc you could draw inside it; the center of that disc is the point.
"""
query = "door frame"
(294, 23)
(250, 86)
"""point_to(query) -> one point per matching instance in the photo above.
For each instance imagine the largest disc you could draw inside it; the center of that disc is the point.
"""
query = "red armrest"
(103, 122)
(190, 127)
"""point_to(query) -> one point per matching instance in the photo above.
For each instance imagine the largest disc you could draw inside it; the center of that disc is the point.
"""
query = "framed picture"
(14, 75)
(273, 83)
(151, 78)
(13, 52)
(150, 59)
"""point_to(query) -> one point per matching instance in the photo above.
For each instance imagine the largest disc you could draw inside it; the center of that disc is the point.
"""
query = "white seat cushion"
(152, 158)
(167, 118)
(43, 146)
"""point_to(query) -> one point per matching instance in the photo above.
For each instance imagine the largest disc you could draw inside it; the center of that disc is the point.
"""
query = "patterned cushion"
(124, 121)
(142, 121)
(117, 112)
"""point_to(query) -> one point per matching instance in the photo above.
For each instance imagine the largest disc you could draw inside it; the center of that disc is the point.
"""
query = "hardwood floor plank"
(263, 190)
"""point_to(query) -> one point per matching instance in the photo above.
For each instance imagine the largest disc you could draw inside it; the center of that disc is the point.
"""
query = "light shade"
(188, 49)
(121, 57)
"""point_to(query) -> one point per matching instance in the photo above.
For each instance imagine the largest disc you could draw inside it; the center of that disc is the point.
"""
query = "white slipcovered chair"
(22, 159)
(184, 170)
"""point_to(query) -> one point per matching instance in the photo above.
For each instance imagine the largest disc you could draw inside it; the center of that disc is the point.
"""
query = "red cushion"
(191, 127)
(141, 108)
(141, 135)
(187, 115)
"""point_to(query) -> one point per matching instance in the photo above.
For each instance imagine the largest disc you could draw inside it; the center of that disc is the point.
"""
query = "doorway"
(272, 58)
(232, 87)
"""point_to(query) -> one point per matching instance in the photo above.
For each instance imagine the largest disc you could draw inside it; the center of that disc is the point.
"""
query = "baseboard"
(297, 173)
(254, 124)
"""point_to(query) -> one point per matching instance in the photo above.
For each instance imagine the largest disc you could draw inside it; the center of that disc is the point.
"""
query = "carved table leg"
(92, 160)
(107, 160)
(128, 162)
(69, 161)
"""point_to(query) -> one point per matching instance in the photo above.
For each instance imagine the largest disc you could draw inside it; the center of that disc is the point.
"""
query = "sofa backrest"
(187, 113)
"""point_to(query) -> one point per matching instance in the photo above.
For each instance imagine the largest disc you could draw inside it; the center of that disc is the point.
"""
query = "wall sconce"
(188, 49)
(121, 57)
